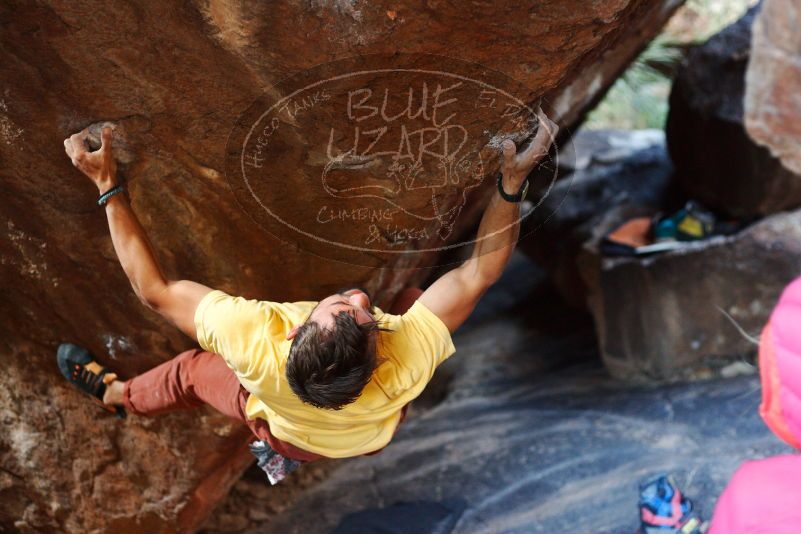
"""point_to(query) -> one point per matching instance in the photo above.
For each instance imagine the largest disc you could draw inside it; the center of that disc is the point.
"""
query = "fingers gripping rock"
(123, 151)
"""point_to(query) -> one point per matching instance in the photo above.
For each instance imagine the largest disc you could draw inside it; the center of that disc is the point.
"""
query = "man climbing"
(311, 379)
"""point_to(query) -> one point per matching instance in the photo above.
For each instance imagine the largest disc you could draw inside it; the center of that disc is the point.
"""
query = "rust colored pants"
(197, 377)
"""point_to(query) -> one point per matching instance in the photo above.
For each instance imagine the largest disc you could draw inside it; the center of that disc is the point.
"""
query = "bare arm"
(175, 300)
(455, 294)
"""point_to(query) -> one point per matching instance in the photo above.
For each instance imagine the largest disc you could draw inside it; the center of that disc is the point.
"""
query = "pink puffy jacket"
(764, 496)
(780, 367)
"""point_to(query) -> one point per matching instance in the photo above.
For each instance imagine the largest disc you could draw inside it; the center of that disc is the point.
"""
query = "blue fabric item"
(656, 497)
(276, 466)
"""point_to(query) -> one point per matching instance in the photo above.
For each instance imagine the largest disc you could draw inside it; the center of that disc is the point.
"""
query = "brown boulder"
(717, 162)
(773, 79)
(173, 78)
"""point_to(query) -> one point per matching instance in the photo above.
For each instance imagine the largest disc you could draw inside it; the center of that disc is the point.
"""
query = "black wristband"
(104, 198)
(517, 197)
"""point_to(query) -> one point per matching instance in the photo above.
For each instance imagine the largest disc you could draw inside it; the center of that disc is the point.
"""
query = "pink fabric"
(785, 325)
(763, 496)
(771, 407)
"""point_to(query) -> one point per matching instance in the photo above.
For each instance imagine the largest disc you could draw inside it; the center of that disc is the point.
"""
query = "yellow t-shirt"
(250, 335)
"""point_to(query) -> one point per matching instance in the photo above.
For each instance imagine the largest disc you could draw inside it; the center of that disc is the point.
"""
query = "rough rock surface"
(773, 78)
(660, 317)
(609, 177)
(531, 435)
(717, 161)
(173, 77)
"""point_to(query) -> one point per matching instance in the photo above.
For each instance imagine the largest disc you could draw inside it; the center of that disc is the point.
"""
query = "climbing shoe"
(82, 371)
(664, 510)
(691, 223)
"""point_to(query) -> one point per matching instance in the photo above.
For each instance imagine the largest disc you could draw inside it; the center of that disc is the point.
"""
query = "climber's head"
(333, 354)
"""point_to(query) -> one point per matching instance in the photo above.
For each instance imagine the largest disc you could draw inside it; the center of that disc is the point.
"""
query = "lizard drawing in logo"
(426, 173)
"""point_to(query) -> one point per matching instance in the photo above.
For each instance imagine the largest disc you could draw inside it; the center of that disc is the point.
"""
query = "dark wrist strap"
(517, 197)
(104, 198)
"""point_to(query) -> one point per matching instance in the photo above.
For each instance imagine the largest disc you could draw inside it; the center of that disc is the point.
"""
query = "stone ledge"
(659, 318)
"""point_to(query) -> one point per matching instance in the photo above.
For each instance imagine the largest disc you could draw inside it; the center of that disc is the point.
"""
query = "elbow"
(149, 297)
(487, 280)
(475, 276)
(147, 301)
(488, 276)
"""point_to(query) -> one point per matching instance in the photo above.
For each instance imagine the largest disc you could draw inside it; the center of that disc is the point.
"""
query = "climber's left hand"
(99, 165)
(516, 166)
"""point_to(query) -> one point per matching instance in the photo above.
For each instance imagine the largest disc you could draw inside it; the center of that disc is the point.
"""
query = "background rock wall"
(733, 128)
(174, 77)
(774, 74)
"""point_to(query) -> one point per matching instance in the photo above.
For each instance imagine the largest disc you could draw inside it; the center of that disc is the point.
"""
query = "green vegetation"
(638, 99)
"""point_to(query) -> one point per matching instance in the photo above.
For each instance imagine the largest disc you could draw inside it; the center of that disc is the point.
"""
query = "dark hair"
(328, 368)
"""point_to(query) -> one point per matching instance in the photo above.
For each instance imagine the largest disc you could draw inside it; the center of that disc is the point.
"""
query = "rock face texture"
(173, 78)
(773, 77)
(717, 160)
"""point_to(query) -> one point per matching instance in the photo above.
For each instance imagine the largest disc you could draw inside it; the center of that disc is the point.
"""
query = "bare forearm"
(453, 296)
(178, 300)
(500, 225)
(134, 249)
(496, 238)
